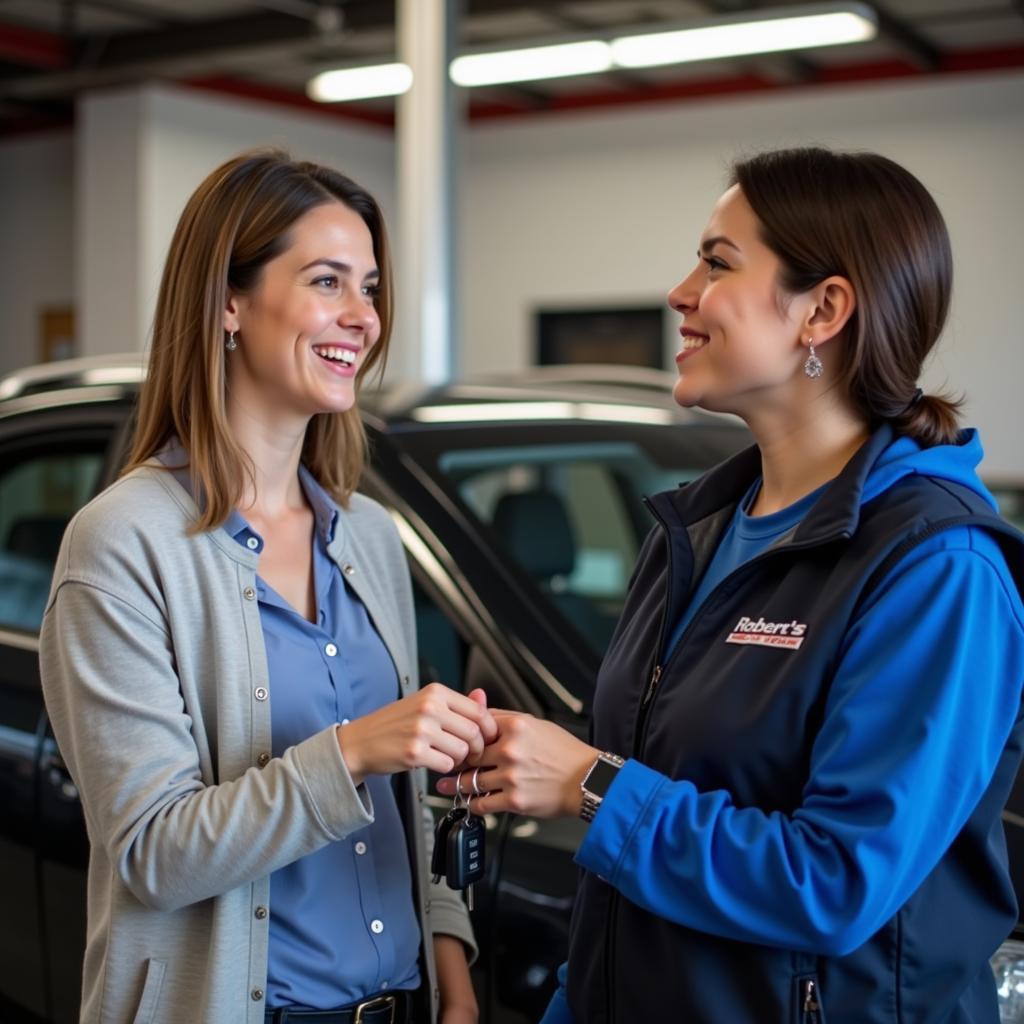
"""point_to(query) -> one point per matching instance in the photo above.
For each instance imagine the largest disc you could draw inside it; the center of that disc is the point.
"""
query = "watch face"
(601, 776)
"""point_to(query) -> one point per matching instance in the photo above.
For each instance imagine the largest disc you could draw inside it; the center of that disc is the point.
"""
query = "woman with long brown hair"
(809, 717)
(228, 656)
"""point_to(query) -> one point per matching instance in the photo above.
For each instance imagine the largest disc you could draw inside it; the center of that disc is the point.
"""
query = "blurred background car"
(518, 501)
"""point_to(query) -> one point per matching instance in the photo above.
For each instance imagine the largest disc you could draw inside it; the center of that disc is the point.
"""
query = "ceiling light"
(791, 28)
(783, 30)
(360, 83)
(528, 65)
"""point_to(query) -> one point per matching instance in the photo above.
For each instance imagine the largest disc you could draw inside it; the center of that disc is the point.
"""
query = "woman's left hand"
(534, 767)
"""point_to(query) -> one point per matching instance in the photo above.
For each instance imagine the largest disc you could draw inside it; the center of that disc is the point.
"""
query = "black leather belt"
(393, 1008)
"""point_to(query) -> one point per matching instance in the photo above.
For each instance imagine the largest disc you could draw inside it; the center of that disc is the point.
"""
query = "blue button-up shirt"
(343, 922)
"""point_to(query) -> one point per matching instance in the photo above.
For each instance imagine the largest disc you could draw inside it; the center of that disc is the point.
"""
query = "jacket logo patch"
(768, 634)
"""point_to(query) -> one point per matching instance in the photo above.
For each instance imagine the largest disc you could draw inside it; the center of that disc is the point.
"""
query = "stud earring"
(231, 344)
(813, 366)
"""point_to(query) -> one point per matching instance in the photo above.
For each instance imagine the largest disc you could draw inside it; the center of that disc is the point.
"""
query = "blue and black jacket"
(808, 826)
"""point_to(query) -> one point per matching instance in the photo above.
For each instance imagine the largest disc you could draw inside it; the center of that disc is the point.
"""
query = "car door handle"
(57, 774)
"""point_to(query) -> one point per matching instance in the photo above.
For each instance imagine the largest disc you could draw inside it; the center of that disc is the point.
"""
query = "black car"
(518, 502)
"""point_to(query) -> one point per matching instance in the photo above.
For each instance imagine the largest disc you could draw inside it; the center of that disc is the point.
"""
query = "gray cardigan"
(155, 679)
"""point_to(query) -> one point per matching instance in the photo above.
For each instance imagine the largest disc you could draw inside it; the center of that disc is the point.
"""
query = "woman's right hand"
(435, 728)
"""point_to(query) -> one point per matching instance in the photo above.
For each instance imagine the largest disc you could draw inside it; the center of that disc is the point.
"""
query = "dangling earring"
(231, 344)
(813, 366)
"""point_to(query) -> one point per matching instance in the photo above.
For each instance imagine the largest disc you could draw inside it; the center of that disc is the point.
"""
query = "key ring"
(477, 791)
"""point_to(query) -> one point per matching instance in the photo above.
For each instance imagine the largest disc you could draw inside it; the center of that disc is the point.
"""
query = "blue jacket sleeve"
(558, 1011)
(927, 690)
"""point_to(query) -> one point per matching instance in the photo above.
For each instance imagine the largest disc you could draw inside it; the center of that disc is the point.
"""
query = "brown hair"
(235, 223)
(863, 217)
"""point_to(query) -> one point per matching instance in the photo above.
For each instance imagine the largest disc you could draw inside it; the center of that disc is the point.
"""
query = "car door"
(51, 462)
(521, 911)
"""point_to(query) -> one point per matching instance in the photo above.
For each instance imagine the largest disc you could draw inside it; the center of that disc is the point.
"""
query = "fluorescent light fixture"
(789, 31)
(584, 58)
(360, 83)
(772, 31)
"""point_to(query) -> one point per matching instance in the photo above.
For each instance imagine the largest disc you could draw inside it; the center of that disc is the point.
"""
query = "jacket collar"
(835, 515)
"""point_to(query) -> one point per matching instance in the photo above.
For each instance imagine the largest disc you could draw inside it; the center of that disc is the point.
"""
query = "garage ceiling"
(52, 50)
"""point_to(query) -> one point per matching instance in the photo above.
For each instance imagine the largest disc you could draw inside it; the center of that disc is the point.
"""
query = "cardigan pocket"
(150, 991)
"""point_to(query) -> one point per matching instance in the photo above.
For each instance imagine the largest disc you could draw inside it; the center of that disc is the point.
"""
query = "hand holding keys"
(459, 844)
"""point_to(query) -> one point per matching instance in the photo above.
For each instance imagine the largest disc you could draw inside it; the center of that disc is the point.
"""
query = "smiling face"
(308, 325)
(741, 340)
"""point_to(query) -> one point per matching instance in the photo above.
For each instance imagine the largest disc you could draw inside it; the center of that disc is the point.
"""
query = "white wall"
(141, 153)
(605, 209)
(36, 260)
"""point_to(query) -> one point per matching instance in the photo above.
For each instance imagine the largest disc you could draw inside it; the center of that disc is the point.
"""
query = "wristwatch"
(596, 782)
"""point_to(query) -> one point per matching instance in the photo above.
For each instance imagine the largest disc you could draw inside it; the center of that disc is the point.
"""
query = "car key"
(465, 855)
(439, 858)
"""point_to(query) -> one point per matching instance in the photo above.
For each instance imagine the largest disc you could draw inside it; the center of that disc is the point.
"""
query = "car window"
(570, 515)
(39, 493)
(440, 647)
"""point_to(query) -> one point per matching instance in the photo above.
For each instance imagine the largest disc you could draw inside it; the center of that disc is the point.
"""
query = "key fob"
(465, 854)
(439, 858)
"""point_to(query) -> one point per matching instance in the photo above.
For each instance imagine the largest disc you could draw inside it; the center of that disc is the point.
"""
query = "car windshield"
(565, 501)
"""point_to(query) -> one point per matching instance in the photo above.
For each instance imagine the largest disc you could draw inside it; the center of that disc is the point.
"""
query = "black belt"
(393, 1008)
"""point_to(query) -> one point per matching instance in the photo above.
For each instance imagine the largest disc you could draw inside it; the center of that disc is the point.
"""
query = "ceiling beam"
(33, 48)
(105, 51)
(918, 50)
(201, 36)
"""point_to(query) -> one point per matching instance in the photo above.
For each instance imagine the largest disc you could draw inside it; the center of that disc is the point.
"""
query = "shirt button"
(348, 570)
(345, 721)
(360, 847)
(249, 593)
(376, 926)
(260, 693)
(261, 912)
(330, 650)
(252, 543)
(263, 760)
(257, 994)
(384, 984)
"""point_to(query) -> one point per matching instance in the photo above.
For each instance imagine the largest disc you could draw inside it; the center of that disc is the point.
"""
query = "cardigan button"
(257, 994)
(261, 913)
(348, 569)
(263, 760)
(260, 693)
(249, 593)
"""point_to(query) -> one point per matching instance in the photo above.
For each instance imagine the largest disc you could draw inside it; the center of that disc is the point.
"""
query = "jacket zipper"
(651, 686)
(810, 1002)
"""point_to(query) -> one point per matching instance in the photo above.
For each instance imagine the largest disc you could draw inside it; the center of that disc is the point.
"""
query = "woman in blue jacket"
(808, 720)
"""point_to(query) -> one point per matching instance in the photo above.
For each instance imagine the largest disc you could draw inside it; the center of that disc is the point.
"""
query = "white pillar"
(426, 343)
(113, 305)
